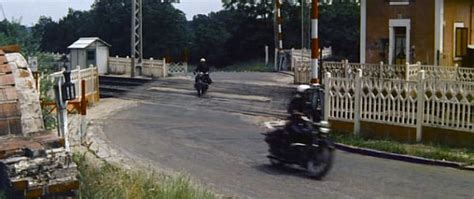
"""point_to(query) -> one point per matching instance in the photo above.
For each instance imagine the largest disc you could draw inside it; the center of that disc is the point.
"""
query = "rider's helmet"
(203, 60)
(302, 88)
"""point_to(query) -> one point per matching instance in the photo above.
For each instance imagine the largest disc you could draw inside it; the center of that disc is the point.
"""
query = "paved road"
(221, 146)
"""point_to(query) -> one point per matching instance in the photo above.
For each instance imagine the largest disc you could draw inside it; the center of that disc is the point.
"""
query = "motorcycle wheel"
(276, 163)
(199, 93)
(319, 165)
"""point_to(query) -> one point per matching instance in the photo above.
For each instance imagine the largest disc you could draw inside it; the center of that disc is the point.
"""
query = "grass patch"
(107, 181)
(431, 151)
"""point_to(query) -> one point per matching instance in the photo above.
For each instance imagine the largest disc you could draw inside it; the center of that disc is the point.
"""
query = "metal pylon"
(137, 38)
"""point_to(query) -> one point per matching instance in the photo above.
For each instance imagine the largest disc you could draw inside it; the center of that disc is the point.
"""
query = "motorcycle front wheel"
(320, 163)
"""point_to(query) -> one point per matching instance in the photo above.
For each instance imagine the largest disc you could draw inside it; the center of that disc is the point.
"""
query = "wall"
(421, 13)
(151, 67)
(455, 11)
(78, 58)
(10, 117)
(28, 97)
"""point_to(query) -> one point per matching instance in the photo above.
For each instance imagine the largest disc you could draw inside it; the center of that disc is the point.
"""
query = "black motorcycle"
(305, 144)
(202, 84)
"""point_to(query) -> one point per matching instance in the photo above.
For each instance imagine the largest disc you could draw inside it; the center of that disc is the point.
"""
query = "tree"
(339, 28)
(209, 39)
(15, 33)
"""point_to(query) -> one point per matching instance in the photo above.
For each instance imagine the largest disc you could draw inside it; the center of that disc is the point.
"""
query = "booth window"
(90, 55)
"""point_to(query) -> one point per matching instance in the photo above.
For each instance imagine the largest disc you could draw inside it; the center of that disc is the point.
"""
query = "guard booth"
(89, 51)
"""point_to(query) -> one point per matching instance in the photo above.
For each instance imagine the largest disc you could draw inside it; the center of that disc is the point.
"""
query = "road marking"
(273, 124)
(214, 94)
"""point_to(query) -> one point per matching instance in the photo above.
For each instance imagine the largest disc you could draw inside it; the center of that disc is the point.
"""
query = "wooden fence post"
(357, 96)
(420, 105)
(83, 110)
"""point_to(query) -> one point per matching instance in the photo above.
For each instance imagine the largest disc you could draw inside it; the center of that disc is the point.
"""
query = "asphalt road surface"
(217, 140)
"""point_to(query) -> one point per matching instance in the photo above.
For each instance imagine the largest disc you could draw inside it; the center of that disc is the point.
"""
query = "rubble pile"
(36, 167)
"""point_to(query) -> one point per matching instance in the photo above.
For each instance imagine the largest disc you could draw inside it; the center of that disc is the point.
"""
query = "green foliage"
(432, 151)
(2, 195)
(238, 33)
(107, 181)
(249, 66)
(14, 33)
(339, 28)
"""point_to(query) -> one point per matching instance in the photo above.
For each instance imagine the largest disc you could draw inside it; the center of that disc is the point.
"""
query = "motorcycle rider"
(204, 68)
(296, 109)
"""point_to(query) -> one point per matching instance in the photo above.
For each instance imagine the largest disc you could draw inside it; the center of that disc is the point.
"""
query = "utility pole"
(314, 42)
(137, 38)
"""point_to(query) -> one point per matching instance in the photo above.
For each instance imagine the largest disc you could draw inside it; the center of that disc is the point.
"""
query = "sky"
(29, 11)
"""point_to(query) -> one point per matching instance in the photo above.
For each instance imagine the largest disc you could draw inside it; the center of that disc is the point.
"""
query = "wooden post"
(266, 55)
(83, 110)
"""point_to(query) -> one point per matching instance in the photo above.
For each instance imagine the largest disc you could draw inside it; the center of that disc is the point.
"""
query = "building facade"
(435, 32)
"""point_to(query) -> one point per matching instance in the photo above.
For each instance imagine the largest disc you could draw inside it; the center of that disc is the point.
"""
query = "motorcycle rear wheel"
(319, 165)
(276, 163)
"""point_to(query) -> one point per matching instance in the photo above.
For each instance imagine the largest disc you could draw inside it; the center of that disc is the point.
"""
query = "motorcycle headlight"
(324, 130)
(324, 124)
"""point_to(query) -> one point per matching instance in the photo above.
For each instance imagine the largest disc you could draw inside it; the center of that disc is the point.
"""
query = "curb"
(401, 157)
(286, 73)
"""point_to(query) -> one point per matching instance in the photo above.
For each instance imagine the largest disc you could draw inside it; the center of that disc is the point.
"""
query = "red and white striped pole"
(279, 22)
(314, 43)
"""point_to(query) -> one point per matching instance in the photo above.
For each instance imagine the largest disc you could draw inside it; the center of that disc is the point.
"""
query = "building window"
(90, 55)
(400, 45)
(460, 42)
(399, 2)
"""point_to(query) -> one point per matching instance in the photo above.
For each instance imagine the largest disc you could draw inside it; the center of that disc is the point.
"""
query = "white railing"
(178, 68)
(409, 103)
(341, 98)
(151, 67)
(406, 71)
(302, 71)
(90, 75)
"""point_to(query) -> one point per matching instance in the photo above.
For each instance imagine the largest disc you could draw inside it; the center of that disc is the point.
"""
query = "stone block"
(9, 110)
(3, 60)
(5, 68)
(8, 94)
(4, 129)
(15, 126)
(7, 80)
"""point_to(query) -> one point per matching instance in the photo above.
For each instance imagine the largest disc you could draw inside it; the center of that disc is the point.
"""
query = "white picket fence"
(406, 72)
(416, 102)
(90, 75)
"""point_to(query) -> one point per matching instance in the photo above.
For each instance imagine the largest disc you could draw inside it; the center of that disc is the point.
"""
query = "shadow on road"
(282, 170)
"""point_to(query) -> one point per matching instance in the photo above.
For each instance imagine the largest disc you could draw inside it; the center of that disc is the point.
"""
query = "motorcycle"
(307, 146)
(201, 85)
